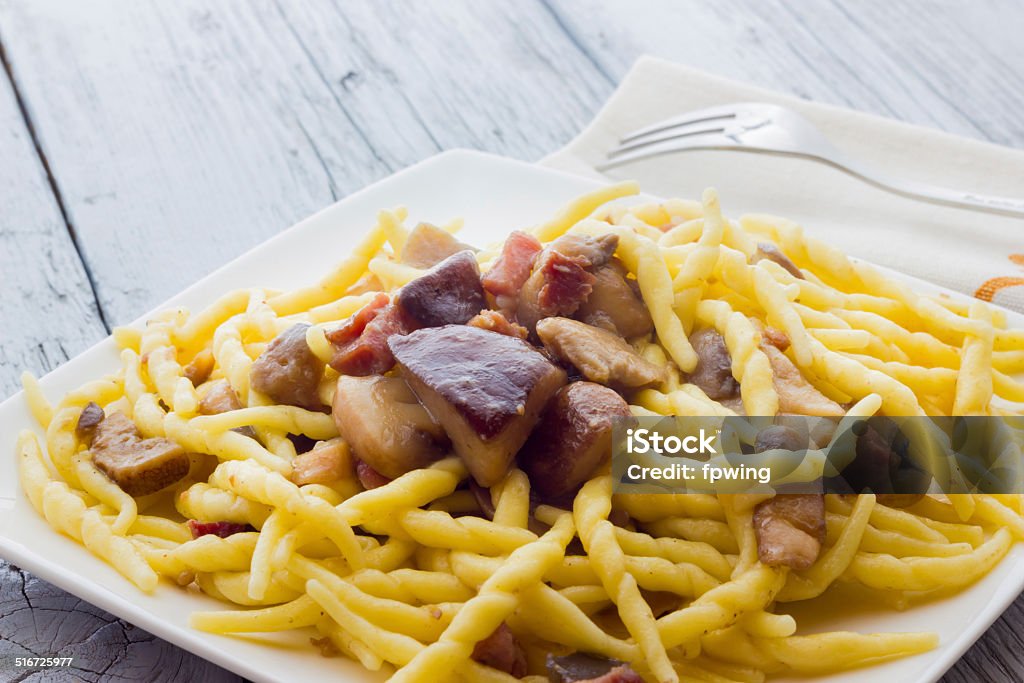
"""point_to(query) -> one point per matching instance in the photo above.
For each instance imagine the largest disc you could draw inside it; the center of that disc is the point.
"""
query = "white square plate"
(494, 195)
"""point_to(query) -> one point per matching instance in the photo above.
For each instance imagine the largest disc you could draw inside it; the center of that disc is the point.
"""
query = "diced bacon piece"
(361, 343)
(502, 651)
(356, 323)
(369, 477)
(222, 529)
(513, 266)
(567, 284)
(562, 277)
(220, 398)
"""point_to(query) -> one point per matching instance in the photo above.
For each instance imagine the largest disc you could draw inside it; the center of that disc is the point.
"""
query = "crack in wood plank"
(584, 49)
(26, 118)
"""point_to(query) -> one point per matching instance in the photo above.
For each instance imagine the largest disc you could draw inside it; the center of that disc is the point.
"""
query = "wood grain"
(48, 313)
(179, 134)
(950, 65)
(42, 279)
(194, 130)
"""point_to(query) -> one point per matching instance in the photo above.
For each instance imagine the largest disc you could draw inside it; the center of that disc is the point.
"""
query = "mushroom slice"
(770, 252)
(790, 528)
(385, 426)
(139, 466)
(614, 298)
(713, 374)
(428, 245)
(497, 322)
(486, 389)
(288, 371)
(580, 667)
(796, 394)
(198, 371)
(573, 438)
(221, 398)
(601, 356)
(325, 463)
(88, 420)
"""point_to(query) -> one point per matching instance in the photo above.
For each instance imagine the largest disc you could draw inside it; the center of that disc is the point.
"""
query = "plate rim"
(201, 643)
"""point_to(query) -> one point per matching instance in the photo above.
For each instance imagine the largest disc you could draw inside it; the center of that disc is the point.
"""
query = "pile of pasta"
(411, 575)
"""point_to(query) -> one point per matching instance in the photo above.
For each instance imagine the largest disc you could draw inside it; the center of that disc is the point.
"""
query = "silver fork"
(771, 129)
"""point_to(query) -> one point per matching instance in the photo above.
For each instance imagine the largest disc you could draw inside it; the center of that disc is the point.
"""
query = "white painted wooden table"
(144, 143)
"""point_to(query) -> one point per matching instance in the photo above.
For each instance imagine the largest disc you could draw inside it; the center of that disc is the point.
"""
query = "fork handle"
(930, 193)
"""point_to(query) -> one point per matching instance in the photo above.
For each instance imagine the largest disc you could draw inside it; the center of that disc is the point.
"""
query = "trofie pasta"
(409, 458)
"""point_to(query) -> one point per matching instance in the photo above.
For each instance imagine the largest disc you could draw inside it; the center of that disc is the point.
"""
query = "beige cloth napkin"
(960, 249)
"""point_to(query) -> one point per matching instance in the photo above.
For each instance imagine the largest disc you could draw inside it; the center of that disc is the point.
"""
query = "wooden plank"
(183, 133)
(941, 64)
(49, 314)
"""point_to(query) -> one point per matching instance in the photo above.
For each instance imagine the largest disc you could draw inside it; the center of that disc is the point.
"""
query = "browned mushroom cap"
(601, 356)
(448, 293)
(486, 389)
(139, 466)
(288, 371)
(770, 252)
(428, 245)
(385, 425)
(573, 438)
